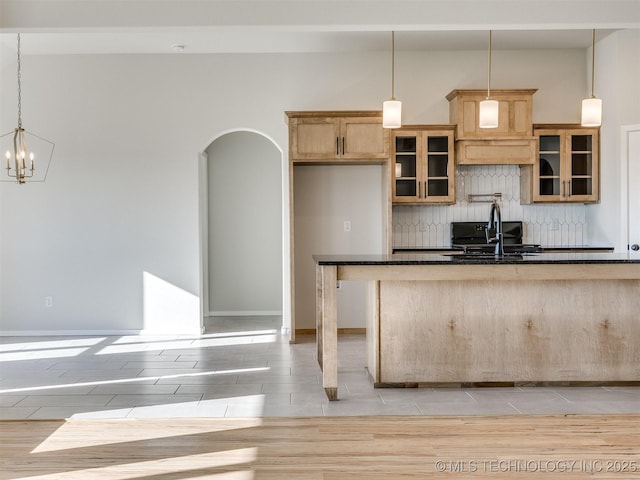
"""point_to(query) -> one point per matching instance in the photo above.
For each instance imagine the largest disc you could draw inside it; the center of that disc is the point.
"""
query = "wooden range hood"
(511, 143)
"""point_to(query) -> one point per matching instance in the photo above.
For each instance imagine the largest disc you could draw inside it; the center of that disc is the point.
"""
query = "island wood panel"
(324, 448)
(506, 331)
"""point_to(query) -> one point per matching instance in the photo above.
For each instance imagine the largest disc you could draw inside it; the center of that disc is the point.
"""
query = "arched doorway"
(242, 232)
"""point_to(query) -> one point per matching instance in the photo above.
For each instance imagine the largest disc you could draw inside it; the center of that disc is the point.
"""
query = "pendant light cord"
(489, 69)
(593, 60)
(393, 65)
(19, 88)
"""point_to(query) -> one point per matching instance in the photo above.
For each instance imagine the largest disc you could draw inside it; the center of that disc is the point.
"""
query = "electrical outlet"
(555, 224)
(347, 225)
(423, 227)
(48, 302)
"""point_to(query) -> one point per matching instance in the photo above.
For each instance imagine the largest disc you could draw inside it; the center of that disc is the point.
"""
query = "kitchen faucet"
(494, 228)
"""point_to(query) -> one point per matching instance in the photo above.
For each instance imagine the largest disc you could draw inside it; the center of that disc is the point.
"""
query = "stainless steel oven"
(472, 237)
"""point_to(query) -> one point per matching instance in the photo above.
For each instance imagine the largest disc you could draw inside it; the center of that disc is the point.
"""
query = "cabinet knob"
(635, 247)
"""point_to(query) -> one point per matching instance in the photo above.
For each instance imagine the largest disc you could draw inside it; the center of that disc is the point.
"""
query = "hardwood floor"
(562, 447)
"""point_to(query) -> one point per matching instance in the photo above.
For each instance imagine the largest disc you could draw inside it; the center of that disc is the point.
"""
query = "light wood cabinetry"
(567, 167)
(422, 165)
(337, 137)
(511, 142)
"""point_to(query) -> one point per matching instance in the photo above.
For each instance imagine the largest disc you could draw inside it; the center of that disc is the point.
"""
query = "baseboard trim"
(312, 331)
(96, 333)
(248, 313)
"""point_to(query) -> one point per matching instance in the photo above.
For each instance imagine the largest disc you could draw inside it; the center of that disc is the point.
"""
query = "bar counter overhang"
(451, 319)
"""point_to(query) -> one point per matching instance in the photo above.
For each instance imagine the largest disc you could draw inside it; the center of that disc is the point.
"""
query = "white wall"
(245, 225)
(324, 198)
(121, 198)
(617, 83)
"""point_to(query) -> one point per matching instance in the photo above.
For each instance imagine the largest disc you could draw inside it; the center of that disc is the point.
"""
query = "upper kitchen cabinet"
(511, 142)
(567, 167)
(422, 165)
(337, 137)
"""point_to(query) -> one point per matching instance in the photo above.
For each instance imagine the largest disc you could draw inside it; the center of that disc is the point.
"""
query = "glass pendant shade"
(488, 115)
(592, 106)
(392, 108)
(591, 112)
(392, 114)
(488, 109)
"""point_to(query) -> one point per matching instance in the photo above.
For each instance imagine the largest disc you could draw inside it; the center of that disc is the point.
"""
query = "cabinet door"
(405, 169)
(316, 138)
(567, 167)
(549, 184)
(363, 138)
(424, 168)
(582, 165)
(439, 168)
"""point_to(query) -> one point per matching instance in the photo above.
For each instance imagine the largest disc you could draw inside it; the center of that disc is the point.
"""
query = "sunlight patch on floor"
(37, 345)
(234, 371)
(240, 458)
(70, 436)
(41, 354)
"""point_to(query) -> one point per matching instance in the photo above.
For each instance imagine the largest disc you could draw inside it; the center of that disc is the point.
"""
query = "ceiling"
(239, 41)
(54, 27)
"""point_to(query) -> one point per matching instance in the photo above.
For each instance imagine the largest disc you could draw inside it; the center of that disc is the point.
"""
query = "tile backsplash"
(551, 225)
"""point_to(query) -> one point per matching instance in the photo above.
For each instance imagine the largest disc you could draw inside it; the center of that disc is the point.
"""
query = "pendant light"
(488, 108)
(23, 149)
(392, 108)
(592, 106)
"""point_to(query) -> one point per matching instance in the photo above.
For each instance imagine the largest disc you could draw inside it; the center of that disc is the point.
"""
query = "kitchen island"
(464, 319)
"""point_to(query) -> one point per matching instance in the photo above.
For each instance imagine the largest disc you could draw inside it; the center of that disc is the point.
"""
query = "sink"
(484, 256)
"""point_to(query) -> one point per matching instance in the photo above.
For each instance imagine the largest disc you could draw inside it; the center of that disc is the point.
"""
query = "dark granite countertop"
(563, 248)
(458, 259)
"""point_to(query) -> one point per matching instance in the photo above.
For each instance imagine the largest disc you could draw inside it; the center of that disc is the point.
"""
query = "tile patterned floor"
(243, 368)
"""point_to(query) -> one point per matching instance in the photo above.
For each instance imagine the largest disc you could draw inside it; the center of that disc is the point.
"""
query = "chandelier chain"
(19, 88)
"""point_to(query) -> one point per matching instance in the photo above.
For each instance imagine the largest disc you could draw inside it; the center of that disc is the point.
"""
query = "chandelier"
(27, 155)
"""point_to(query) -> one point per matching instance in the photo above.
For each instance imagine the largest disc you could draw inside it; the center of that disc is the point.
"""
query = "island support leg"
(319, 314)
(328, 330)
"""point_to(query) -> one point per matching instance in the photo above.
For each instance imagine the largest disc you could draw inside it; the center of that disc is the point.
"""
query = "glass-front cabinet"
(567, 165)
(423, 165)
